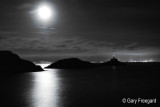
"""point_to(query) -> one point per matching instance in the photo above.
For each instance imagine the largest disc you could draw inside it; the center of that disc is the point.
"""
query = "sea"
(95, 87)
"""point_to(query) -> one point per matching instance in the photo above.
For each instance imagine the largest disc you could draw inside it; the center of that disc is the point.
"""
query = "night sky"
(99, 29)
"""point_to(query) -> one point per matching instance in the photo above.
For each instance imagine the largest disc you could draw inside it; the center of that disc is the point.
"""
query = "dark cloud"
(59, 45)
(3, 33)
(25, 6)
(50, 42)
(132, 46)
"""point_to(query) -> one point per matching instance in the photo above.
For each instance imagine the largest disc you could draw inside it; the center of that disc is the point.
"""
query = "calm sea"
(96, 87)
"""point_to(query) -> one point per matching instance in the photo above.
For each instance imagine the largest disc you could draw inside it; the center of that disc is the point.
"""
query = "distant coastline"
(12, 62)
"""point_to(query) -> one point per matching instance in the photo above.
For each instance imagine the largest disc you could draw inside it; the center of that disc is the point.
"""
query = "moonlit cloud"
(101, 28)
(51, 43)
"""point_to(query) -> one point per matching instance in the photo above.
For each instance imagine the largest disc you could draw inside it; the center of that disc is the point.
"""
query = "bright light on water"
(45, 90)
(43, 64)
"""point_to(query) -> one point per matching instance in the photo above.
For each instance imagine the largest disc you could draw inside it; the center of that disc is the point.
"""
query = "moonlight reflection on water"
(45, 89)
(98, 87)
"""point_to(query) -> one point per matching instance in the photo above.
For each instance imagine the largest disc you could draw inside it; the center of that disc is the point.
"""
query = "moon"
(44, 12)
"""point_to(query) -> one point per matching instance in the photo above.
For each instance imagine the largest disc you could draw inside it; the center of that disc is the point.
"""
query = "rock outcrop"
(113, 62)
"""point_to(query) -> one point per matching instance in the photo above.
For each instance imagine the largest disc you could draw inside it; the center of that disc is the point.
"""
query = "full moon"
(44, 12)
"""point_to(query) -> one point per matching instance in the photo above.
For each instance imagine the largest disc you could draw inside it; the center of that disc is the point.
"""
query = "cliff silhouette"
(12, 63)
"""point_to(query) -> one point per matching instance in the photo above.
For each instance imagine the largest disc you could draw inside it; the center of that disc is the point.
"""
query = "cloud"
(3, 33)
(52, 42)
(132, 46)
(25, 6)
(55, 44)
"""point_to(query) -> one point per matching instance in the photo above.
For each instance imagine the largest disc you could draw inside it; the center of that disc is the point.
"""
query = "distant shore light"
(146, 60)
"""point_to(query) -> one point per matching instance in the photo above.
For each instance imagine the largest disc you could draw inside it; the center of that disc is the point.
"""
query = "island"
(75, 63)
(71, 63)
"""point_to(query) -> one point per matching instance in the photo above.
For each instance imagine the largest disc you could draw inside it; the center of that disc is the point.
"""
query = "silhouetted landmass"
(113, 62)
(73, 63)
(12, 63)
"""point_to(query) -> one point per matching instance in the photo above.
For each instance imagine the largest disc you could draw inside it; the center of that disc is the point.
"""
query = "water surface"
(77, 88)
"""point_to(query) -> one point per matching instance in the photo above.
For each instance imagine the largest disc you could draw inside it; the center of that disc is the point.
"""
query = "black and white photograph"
(79, 53)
